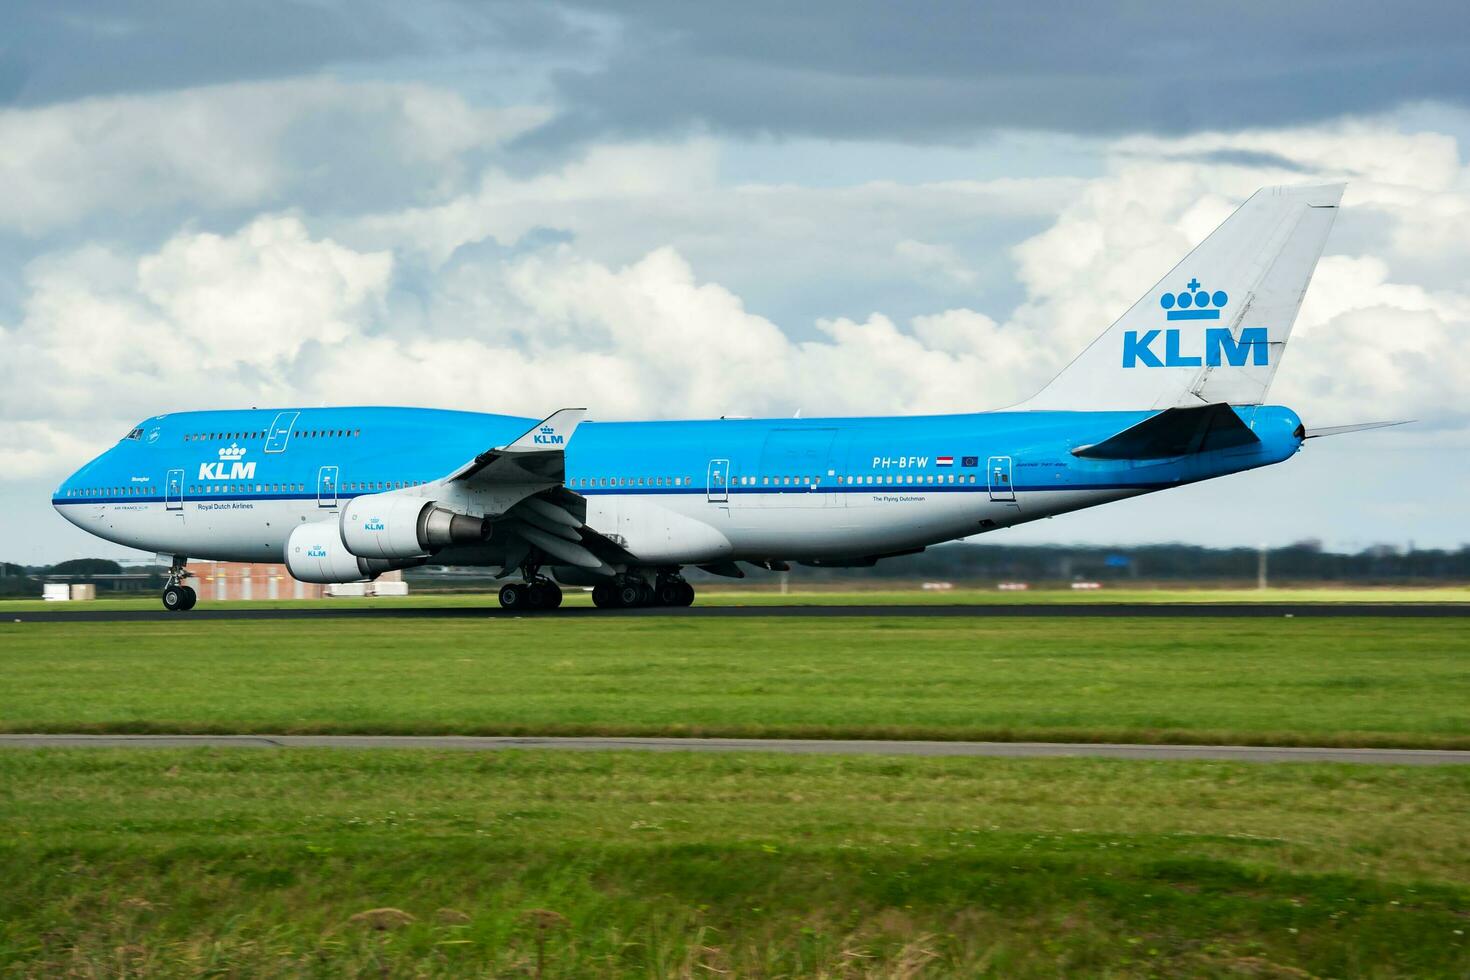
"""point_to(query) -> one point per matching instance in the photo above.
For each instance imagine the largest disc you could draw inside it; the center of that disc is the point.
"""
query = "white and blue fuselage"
(235, 485)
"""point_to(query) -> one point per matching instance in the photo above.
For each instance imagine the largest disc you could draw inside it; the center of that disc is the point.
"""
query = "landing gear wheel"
(542, 594)
(604, 596)
(669, 593)
(630, 594)
(513, 596)
(178, 597)
(545, 594)
(686, 594)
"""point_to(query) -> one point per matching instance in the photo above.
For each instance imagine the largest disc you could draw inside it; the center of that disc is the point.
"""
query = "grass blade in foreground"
(264, 863)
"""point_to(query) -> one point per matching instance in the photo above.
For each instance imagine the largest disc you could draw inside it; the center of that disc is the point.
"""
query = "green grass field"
(769, 594)
(1372, 682)
(262, 863)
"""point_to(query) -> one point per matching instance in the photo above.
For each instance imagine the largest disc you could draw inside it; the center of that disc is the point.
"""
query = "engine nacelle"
(379, 526)
(316, 553)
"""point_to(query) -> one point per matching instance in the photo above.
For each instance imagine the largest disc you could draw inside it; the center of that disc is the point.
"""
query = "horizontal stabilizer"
(1175, 432)
(1337, 430)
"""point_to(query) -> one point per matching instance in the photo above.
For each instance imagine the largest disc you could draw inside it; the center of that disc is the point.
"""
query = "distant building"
(221, 580)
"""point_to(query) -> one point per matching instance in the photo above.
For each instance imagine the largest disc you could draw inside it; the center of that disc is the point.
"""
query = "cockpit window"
(135, 435)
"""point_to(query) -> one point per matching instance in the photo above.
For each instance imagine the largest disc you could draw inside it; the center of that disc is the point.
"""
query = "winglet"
(554, 432)
(537, 453)
(1337, 430)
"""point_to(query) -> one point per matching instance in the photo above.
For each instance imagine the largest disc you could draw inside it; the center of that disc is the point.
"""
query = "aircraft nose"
(67, 498)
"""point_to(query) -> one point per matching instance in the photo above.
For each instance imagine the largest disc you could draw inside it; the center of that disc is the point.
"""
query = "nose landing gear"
(178, 597)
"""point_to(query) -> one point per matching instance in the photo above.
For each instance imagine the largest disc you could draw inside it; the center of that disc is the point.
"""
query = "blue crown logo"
(547, 430)
(1195, 304)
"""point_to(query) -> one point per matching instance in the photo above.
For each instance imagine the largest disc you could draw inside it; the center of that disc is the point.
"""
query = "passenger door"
(173, 491)
(326, 487)
(280, 432)
(717, 481)
(998, 470)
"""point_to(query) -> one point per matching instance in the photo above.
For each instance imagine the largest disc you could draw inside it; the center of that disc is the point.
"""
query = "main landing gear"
(629, 592)
(539, 593)
(178, 597)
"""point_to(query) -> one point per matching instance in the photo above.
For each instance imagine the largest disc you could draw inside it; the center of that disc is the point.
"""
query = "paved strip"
(791, 746)
(1171, 610)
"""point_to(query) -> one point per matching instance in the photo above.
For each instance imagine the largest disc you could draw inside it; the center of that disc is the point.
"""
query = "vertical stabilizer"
(1214, 329)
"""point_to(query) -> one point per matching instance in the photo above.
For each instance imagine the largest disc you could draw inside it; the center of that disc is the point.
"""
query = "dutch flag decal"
(944, 460)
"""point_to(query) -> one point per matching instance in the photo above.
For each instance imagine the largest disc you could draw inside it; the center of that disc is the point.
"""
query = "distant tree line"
(987, 564)
(24, 581)
(1304, 561)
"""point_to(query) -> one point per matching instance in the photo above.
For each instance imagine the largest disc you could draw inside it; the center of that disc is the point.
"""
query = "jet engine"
(387, 527)
(315, 553)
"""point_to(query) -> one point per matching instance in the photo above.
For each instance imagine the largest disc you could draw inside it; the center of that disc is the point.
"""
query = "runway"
(1008, 750)
(1170, 610)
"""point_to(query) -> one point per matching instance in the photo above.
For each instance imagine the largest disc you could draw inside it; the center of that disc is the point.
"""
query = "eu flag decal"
(969, 460)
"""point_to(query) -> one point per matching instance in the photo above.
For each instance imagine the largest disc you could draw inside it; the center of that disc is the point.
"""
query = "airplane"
(1172, 393)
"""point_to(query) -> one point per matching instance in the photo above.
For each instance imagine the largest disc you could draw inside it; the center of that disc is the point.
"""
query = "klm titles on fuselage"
(231, 466)
(1220, 346)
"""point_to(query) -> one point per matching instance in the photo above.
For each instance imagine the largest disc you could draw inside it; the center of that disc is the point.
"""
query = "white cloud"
(255, 298)
(205, 321)
(233, 146)
(637, 317)
(934, 261)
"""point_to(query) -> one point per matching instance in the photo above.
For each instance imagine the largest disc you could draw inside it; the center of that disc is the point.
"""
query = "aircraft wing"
(538, 456)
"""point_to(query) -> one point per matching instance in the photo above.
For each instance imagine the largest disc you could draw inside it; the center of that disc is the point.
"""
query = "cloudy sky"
(665, 209)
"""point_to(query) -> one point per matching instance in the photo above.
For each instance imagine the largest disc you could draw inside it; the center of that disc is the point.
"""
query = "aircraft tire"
(604, 596)
(686, 594)
(543, 595)
(513, 596)
(174, 599)
(670, 593)
(190, 597)
(630, 595)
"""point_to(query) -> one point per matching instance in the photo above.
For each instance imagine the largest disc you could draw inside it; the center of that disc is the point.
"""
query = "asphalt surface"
(1171, 610)
(1012, 750)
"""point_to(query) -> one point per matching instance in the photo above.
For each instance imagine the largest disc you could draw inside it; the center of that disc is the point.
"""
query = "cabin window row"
(299, 434)
(363, 485)
(884, 479)
(632, 481)
(909, 479)
(108, 491)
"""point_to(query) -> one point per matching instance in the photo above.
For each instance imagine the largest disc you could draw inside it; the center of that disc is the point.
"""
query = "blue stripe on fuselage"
(408, 445)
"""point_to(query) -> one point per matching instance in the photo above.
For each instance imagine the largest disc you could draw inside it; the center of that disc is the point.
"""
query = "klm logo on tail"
(1220, 345)
(548, 437)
